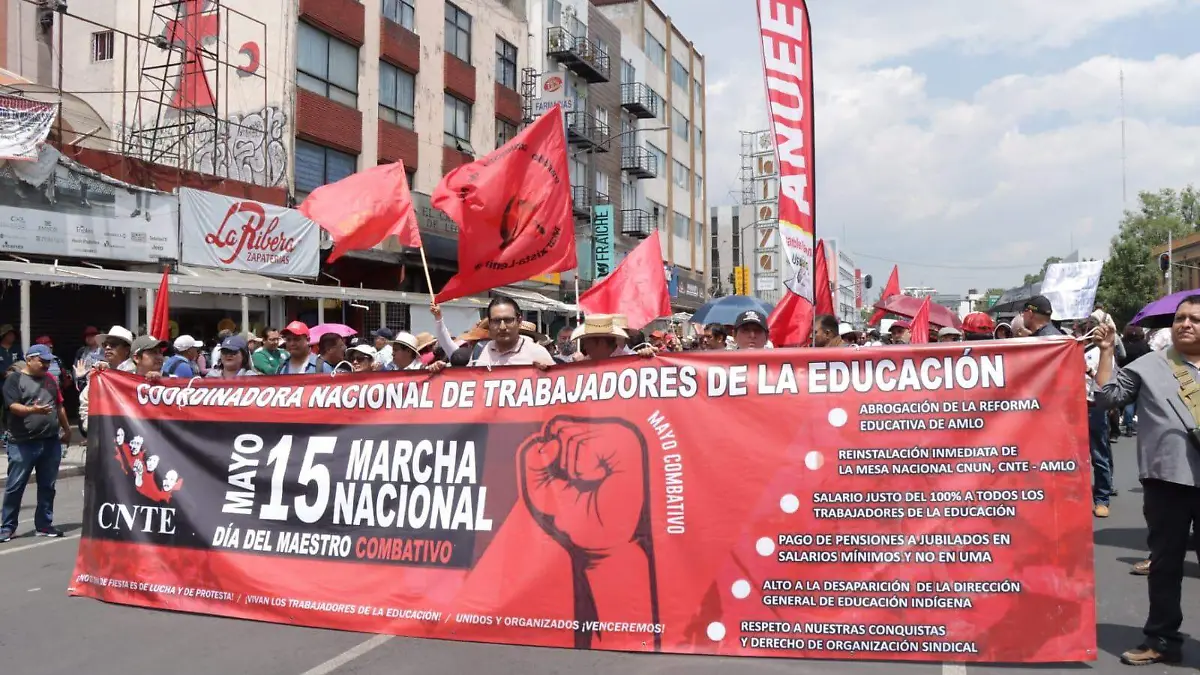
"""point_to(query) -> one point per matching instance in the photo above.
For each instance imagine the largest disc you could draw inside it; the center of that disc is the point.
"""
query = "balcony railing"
(636, 223)
(586, 131)
(639, 99)
(581, 201)
(579, 54)
(639, 162)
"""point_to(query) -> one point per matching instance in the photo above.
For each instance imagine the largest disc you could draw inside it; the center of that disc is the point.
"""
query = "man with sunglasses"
(117, 344)
(37, 427)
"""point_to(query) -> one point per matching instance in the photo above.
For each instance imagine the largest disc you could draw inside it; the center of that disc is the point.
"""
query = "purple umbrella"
(315, 333)
(1161, 312)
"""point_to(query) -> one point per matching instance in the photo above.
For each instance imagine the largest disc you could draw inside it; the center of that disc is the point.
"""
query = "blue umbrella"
(725, 310)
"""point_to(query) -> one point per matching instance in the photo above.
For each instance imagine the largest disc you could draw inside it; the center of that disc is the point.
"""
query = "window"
(683, 177)
(656, 52)
(554, 12)
(657, 212)
(317, 165)
(660, 106)
(698, 137)
(682, 226)
(458, 32)
(327, 66)
(506, 64)
(602, 117)
(602, 184)
(699, 232)
(679, 123)
(628, 73)
(399, 11)
(102, 46)
(602, 48)
(458, 122)
(504, 132)
(658, 155)
(699, 191)
(411, 175)
(679, 73)
(697, 94)
(629, 197)
(397, 95)
(577, 170)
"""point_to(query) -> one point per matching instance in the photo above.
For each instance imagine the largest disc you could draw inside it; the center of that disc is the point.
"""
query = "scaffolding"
(746, 172)
(182, 115)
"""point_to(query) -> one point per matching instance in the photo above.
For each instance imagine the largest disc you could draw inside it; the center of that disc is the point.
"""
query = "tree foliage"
(1034, 278)
(1130, 279)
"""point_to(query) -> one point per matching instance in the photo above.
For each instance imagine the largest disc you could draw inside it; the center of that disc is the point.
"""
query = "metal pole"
(320, 311)
(383, 315)
(245, 314)
(149, 311)
(1170, 262)
(26, 321)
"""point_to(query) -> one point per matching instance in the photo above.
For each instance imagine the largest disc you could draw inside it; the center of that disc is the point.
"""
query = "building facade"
(844, 282)
(727, 225)
(662, 129)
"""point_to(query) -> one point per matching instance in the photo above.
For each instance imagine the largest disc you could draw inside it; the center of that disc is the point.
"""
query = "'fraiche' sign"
(239, 234)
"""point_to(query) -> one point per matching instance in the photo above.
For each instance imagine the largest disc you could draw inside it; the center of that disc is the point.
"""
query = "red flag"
(791, 321)
(822, 289)
(892, 288)
(513, 210)
(920, 325)
(160, 323)
(637, 288)
(365, 208)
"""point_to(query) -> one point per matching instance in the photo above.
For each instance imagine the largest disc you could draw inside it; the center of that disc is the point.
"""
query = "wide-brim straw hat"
(599, 325)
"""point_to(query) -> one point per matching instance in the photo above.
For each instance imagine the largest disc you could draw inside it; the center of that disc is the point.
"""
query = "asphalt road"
(44, 632)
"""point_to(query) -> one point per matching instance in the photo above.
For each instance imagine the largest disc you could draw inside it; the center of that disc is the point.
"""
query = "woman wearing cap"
(234, 359)
(406, 353)
(362, 357)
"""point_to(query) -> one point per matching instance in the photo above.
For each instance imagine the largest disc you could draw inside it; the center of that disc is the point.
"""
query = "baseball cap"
(364, 349)
(144, 343)
(751, 316)
(407, 340)
(903, 323)
(385, 333)
(1039, 304)
(42, 352)
(118, 333)
(949, 330)
(295, 328)
(90, 331)
(185, 342)
(6, 328)
(233, 343)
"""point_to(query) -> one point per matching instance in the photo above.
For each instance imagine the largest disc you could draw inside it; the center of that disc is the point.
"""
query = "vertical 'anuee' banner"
(787, 65)
(929, 503)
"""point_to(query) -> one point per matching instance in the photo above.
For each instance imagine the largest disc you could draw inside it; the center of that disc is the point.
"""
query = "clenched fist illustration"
(587, 484)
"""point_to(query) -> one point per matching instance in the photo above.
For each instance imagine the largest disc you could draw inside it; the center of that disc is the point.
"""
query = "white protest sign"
(1071, 288)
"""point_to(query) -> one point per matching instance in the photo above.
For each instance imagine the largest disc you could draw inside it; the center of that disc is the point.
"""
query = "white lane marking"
(34, 590)
(6, 551)
(954, 669)
(348, 656)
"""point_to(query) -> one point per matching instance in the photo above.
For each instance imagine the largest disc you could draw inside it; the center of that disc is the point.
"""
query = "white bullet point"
(790, 503)
(716, 631)
(741, 589)
(765, 546)
(837, 417)
(814, 460)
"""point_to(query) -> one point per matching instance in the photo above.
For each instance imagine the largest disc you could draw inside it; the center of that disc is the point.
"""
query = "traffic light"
(1164, 262)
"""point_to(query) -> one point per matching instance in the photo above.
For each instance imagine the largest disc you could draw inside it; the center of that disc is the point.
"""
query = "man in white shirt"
(506, 346)
(383, 346)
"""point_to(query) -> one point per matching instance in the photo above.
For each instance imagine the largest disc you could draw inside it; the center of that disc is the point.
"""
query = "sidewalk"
(72, 464)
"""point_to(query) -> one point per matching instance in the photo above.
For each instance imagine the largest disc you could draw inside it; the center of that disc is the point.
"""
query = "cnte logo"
(149, 519)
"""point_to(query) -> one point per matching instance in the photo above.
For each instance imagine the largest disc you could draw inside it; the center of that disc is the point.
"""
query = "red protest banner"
(926, 504)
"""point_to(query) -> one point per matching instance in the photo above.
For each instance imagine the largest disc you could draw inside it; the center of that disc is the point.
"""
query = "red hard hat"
(979, 323)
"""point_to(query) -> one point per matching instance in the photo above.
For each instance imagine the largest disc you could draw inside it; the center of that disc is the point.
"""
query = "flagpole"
(425, 265)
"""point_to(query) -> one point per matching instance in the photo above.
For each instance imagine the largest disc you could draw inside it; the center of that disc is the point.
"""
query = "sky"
(968, 141)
